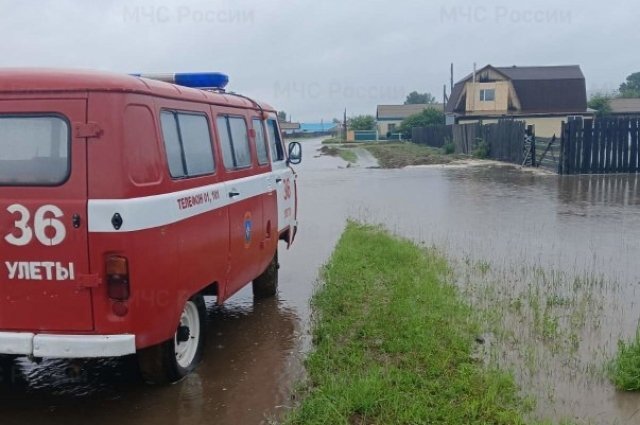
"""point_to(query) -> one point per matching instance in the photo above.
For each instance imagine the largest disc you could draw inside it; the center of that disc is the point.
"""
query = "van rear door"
(43, 216)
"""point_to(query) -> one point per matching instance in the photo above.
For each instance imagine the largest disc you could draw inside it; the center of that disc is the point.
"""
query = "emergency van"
(124, 201)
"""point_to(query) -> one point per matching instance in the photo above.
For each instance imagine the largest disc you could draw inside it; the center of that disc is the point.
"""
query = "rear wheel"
(176, 358)
(266, 285)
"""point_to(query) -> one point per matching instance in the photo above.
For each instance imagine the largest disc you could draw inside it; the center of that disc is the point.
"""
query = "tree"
(362, 122)
(415, 98)
(282, 116)
(631, 88)
(600, 102)
(429, 116)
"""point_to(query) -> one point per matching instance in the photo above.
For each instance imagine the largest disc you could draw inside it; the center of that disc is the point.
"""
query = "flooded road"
(515, 222)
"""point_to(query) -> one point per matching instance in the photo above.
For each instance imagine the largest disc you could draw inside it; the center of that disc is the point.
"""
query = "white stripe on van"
(160, 210)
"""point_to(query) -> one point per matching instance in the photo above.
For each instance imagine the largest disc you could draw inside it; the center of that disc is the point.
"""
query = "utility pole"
(344, 126)
(451, 81)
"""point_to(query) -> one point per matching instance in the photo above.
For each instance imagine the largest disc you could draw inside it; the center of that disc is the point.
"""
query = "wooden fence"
(466, 137)
(434, 135)
(503, 141)
(600, 146)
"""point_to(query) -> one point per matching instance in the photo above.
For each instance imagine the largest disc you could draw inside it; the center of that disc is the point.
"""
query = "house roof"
(318, 127)
(565, 72)
(289, 125)
(539, 89)
(625, 106)
(400, 112)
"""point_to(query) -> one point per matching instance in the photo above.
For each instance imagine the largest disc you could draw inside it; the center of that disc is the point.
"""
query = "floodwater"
(519, 225)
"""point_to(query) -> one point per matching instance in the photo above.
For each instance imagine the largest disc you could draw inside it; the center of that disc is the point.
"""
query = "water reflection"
(244, 374)
(613, 190)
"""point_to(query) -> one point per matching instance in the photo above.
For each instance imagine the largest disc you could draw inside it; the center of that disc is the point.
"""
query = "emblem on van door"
(248, 224)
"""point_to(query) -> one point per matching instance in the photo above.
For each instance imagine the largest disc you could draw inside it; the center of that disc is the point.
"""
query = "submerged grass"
(624, 370)
(394, 343)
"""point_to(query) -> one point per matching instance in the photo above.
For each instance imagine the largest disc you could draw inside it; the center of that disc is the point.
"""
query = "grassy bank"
(401, 154)
(394, 343)
(337, 141)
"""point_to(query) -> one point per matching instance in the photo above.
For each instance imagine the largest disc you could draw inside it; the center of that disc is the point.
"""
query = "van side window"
(234, 140)
(261, 142)
(187, 141)
(277, 152)
(143, 156)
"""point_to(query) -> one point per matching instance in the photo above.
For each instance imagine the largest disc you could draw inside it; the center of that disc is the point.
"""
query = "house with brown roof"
(624, 106)
(543, 96)
(389, 117)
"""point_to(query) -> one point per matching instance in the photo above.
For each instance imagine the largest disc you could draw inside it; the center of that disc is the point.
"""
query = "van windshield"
(34, 150)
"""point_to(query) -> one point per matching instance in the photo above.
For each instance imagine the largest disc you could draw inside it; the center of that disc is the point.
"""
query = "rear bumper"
(66, 346)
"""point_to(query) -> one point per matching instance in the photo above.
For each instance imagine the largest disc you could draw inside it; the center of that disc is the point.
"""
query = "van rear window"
(34, 150)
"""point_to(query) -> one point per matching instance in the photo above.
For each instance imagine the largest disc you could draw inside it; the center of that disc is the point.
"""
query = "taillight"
(117, 278)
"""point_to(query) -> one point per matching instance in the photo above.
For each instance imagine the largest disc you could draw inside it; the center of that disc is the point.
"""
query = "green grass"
(624, 370)
(348, 155)
(344, 153)
(331, 141)
(394, 343)
(401, 154)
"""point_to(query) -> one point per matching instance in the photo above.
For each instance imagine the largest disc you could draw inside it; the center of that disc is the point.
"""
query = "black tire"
(266, 285)
(162, 364)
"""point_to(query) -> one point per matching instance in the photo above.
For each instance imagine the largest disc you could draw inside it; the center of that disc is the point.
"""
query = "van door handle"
(278, 180)
(75, 220)
(233, 194)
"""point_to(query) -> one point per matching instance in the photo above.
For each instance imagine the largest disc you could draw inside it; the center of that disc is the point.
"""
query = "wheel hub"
(187, 337)
(183, 334)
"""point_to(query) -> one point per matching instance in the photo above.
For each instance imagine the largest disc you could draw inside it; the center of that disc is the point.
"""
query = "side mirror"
(295, 153)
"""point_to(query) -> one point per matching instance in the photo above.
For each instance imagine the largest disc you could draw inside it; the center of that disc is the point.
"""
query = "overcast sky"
(314, 58)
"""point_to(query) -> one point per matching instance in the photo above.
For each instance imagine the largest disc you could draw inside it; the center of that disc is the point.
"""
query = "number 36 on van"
(117, 191)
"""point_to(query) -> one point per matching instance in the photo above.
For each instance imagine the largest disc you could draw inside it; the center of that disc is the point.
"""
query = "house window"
(392, 127)
(487, 95)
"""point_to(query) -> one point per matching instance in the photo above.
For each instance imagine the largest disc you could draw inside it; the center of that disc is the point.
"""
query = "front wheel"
(176, 358)
(266, 285)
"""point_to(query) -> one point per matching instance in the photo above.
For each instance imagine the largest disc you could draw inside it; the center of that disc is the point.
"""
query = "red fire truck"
(125, 200)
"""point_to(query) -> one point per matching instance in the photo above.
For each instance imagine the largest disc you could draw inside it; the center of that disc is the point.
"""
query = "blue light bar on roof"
(196, 80)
